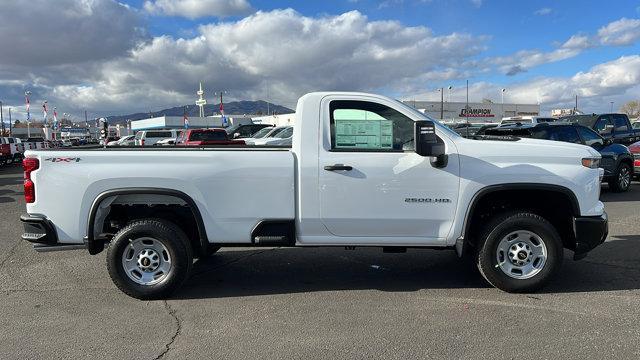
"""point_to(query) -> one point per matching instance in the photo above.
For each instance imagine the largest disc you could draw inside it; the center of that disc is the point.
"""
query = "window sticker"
(360, 129)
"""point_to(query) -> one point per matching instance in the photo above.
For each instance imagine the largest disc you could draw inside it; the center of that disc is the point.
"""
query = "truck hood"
(525, 149)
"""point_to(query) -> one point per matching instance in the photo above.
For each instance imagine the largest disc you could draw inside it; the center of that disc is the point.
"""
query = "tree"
(631, 108)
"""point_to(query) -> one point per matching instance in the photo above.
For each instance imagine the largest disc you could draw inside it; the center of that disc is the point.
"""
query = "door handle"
(337, 167)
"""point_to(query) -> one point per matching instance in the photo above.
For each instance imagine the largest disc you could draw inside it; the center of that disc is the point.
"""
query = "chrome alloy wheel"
(624, 178)
(521, 254)
(146, 261)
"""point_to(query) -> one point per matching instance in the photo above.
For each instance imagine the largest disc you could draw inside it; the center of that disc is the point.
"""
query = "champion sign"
(476, 113)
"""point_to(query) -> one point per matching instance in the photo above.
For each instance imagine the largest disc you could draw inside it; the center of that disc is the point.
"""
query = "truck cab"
(615, 127)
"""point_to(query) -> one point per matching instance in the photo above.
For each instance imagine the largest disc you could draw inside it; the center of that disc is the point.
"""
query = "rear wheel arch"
(495, 199)
(96, 245)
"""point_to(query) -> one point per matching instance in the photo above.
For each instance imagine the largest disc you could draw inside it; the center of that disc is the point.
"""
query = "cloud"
(543, 11)
(617, 33)
(617, 80)
(194, 9)
(611, 79)
(65, 31)
(621, 32)
(289, 53)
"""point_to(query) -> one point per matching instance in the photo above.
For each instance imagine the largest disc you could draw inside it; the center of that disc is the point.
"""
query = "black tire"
(171, 237)
(501, 226)
(621, 181)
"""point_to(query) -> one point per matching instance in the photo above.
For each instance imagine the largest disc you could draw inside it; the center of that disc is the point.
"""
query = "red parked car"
(199, 137)
(635, 150)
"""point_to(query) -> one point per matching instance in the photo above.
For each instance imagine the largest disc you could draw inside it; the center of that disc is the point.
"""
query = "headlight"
(591, 163)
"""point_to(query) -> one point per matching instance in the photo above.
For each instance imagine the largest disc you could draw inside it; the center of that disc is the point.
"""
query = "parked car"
(151, 137)
(200, 137)
(616, 127)
(513, 206)
(5, 151)
(635, 150)
(484, 128)
(166, 142)
(617, 160)
(242, 131)
(274, 137)
(36, 143)
(262, 133)
(467, 129)
(526, 120)
(128, 140)
(17, 148)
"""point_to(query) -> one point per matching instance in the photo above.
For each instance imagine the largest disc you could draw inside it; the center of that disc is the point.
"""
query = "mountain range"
(259, 107)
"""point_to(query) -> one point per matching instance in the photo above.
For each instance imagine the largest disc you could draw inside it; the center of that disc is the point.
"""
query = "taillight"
(29, 165)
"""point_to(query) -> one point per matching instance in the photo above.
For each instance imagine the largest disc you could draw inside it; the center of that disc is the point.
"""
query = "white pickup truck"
(363, 170)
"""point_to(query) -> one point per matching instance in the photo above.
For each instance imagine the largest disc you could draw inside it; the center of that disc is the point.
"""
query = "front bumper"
(590, 231)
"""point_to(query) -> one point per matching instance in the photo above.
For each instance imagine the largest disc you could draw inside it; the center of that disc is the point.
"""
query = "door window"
(601, 124)
(620, 123)
(566, 134)
(368, 126)
(590, 137)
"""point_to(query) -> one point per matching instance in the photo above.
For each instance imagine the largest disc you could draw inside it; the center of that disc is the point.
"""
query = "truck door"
(372, 184)
(622, 132)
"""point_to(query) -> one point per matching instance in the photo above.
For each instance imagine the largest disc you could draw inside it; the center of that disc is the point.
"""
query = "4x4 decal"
(63, 159)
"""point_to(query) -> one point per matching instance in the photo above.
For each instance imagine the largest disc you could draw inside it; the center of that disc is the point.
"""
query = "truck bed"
(234, 188)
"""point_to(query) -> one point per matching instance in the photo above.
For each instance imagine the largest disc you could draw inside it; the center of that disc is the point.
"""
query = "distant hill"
(234, 107)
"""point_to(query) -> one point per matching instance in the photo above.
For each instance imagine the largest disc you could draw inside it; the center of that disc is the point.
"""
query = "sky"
(109, 57)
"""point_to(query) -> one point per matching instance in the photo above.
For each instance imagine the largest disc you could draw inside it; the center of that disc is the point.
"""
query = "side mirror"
(428, 144)
(236, 135)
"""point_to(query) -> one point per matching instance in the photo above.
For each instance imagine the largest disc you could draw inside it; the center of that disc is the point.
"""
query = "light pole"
(1, 118)
(441, 90)
(611, 106)
(449, 100)
(502, 101)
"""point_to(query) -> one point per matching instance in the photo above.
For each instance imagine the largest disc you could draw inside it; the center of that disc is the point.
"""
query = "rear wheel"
(621, 181)
(521, 252)
(149, 259)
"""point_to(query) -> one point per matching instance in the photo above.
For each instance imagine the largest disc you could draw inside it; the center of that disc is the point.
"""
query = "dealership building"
(474, 112)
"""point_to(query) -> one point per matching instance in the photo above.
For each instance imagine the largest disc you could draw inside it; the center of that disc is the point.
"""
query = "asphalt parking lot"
(319, 303)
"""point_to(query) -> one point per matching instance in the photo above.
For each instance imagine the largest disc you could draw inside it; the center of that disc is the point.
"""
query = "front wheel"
(521, 252)
(149, 259)
(621, 181)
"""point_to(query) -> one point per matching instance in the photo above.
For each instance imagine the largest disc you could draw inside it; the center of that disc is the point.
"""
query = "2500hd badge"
(427, 200)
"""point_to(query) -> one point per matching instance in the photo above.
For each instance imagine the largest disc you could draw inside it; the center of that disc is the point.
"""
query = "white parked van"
(151, 137)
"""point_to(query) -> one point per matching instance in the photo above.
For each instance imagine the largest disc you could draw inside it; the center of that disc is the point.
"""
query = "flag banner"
(55, 119)
(186, 122)
(225, 122)
(44, 111)
(28, 105)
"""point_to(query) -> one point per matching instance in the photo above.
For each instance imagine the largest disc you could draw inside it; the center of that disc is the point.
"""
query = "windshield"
(286, 133)
(275, 132)
(262, 133)
(139, 135)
